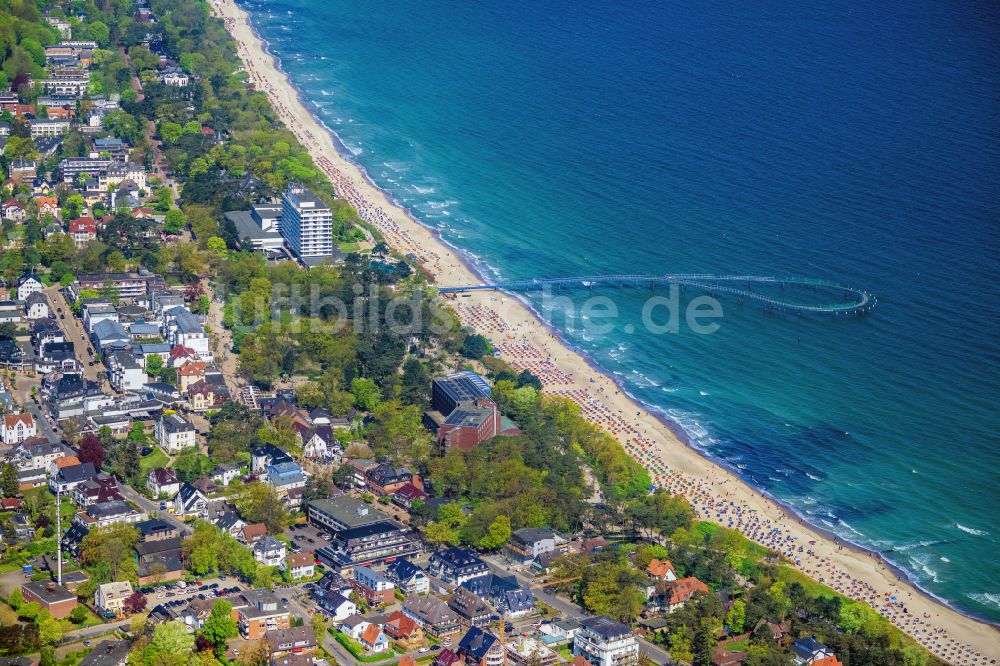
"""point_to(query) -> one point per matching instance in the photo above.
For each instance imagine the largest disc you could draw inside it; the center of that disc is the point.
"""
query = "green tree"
(16, 599)
(154, 364)
(476, 347)
(859, 618)
(172, 638)
(366, 393)
(259, 503)
(73, 207)
(446, 529)
(164, 199)
(736, 617)
(217, 246)
(48, 656)
(11, 484)
(219, 625)
(49, 629)
(20, 147)
(497, 535)
(415, 387)
(281, 433)
(30, 611)
(99, 32)
(174, 221)
(703, 643)
(123, 125)
(78, 615)
(398, 433)
(682, 644)
(111, 547)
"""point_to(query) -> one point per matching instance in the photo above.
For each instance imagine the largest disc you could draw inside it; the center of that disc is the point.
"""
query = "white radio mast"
(58, 536)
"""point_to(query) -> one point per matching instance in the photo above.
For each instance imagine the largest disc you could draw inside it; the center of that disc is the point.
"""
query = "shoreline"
(526, 340)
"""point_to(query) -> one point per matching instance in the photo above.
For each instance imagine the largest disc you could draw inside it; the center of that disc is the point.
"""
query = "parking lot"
(173, 595)
(306, 538)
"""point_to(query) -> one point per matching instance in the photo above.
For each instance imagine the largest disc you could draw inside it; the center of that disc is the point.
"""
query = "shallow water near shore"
(849, 142)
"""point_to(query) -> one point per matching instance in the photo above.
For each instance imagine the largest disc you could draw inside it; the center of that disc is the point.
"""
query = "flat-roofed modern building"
(451, 390)
(306, 225)
(56, 599)
(343, 513)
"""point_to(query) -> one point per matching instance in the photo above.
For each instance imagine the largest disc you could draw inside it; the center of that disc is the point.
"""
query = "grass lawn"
(347, 248)
(8, 615)
(91, 621)
(155, 459)
(566, 653)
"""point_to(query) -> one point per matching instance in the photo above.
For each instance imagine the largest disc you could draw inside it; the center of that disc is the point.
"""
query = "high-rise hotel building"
(306, 225)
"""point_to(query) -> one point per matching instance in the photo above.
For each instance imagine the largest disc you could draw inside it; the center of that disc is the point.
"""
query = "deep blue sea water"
(846, 140)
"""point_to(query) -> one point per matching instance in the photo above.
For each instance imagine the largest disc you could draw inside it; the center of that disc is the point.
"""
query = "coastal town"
(222, 442)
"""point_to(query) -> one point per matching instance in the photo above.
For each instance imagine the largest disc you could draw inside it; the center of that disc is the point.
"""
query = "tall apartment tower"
(306, 225)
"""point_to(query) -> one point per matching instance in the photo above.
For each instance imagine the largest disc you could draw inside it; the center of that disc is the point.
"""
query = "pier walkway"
(851, 301)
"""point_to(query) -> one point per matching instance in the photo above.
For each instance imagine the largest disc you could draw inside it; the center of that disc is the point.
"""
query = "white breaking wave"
(987, 598)
(920, 563)
(969, 530)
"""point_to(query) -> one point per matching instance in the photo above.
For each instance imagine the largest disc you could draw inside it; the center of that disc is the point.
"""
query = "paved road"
(42, 423)
(90, 632)
(151, 507)
(73, 331)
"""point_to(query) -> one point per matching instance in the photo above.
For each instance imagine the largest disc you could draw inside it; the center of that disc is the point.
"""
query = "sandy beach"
(526, 342)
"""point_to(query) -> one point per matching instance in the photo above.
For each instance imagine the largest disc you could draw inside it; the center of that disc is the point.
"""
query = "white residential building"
(36, 306)
(190, 502)
(35, 456)
(162, 482)
(174, 76)
(117, 173)
(299, 565)
(28, 284)
(49, 127)
(173, 433)
(270, 552)
(225, 474)
(605, 642)
(110, 597)
(184, 330)
(126, 373)
(17, 428)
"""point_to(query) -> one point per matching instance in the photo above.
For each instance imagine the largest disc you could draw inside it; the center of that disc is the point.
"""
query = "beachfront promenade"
(858, 301)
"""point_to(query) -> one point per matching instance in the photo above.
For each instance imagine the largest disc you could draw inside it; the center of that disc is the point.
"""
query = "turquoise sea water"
(852, 141)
